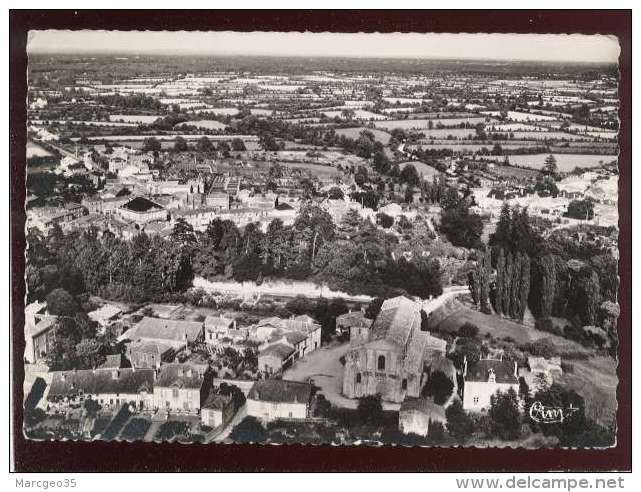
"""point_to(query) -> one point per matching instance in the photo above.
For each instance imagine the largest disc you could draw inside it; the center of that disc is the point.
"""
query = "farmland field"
(424, 123)
(441, 133)
(221, 111)
(520, 116)
(34, 150)
(424, 170)
(354, 133)
(565, 162)
(358, 114)
(206, 124)
(133, 118)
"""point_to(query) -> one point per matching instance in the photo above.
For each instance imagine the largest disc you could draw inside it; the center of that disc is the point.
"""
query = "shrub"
(468, 330)
(547, 325)
(135, 429)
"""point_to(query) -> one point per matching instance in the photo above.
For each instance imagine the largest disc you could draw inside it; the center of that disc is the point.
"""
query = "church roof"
(396, 319)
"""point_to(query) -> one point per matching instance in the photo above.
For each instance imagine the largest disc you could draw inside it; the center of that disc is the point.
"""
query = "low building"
(111, 388)
(182, 387)
(484, 378)
(217, 411)
(176, 333)
(105, 315)
(416, 415)
(149, 354)
(217, 328)
(354, 324)
(272, 399)
(141, 210)
(276, 358)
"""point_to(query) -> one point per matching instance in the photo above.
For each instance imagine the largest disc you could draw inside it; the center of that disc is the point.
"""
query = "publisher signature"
(550, 415)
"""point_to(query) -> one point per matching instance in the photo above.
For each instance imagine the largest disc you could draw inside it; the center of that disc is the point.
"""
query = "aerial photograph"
(300, 238)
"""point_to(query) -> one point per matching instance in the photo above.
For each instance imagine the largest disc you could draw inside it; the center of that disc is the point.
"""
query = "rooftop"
(176, 375)
(141, 204)
(165, 329)
(112, 381)
(504, 371)
(281, 391)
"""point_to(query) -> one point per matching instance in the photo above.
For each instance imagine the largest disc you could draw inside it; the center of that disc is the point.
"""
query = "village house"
(141, 210)
(276, 358)
(416, 415)
(217, 328)
(149, 354)
(111, 388)
(217, 411)
(484, 378)
(105, 315)
(176, 333)
(396, 360)
(270, 329)
(272, 399)
(182, 387)
(354, 324)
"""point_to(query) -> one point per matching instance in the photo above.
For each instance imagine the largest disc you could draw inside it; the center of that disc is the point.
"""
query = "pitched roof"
(355, 318)
(213, 322)
(503, 371)
(141, 204)
(149, 347)
(281, 391)
(105, 312)
(165, 329)
(279, 350)
(181, 376)
(216, 401)
(101, 381)
(396, 319)
(295, 337)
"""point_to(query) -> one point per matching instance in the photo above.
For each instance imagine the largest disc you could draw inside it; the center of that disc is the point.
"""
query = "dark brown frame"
(33, 456)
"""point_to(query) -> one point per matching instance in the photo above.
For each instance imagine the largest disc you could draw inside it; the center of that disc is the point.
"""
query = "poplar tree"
(509, 268)
(514, 286)
(485, 269)
(500, 282)
(547, 271)
(525, 285)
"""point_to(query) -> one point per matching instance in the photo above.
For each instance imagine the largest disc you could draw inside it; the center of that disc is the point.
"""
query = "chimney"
(115, 374)
(516, 370)
(464, 366)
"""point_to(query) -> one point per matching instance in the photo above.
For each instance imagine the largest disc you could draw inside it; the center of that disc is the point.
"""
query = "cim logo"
(550, 415)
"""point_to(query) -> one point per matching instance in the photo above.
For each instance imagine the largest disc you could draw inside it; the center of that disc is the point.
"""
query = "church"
(396, 358)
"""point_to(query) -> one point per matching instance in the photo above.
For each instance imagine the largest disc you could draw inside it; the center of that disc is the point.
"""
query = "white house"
(272, 399)
(484, 378)
(182, 387)
(111, 388)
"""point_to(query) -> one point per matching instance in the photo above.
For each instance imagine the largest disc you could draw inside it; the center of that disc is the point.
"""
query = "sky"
(527, 47)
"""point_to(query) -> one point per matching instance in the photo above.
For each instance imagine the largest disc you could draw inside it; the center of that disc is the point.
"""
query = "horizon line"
(200, 54)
